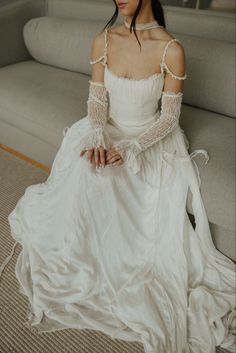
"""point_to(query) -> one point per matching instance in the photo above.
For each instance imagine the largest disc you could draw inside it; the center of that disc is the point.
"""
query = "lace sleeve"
(97, 105)
(131, 149)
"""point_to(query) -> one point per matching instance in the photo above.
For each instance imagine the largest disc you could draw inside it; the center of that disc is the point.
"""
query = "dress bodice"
(134, 103)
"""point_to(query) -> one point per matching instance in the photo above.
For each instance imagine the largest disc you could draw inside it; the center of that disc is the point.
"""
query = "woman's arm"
(175, 66)
(97, 141)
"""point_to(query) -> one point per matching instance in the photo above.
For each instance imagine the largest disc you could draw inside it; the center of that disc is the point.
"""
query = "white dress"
(115, 251)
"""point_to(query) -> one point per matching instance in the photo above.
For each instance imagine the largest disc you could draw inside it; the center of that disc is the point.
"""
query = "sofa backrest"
(210, 66)
(13, 16)
(199, 23)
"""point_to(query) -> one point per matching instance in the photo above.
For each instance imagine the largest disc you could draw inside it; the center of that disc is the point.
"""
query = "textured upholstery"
(45, 99)
(210, 84)
(12, 19)
(209, 130)
(61, 42)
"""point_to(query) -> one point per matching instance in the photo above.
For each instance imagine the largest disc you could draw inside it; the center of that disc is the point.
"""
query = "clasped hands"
(102, 157)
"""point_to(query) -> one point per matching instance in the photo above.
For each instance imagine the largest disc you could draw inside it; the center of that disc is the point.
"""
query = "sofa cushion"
(216, 134)
(210, 66)
(92, 10)
(61, 42)
(224, 240)
(41, 100)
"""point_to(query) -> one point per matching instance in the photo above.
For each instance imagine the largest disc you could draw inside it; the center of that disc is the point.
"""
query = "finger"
(111, 159)
(102, 156)
(119, 162)
(82, 153)
(93, 161)
(111, 155)
(96, 156)
(90, 155)
(114, 159)
(111, 151)
(108, 155)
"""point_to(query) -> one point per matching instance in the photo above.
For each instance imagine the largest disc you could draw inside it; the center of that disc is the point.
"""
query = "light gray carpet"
(15, 176)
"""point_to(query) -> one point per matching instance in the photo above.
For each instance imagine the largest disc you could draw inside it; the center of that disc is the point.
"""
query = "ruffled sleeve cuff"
(95, 138)
(130, 151)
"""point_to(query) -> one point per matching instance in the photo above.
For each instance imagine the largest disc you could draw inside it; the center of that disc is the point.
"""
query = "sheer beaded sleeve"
(97, 105)
(130, 150)
(97, 108)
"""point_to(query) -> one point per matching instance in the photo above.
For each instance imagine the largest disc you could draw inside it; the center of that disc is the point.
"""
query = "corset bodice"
(133, 103)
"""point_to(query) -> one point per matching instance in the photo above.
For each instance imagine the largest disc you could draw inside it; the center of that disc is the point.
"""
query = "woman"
(107, 242)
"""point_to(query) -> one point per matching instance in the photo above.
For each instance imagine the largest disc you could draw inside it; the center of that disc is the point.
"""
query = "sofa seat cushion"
(224, 240)
(216, 134)
(41, 99)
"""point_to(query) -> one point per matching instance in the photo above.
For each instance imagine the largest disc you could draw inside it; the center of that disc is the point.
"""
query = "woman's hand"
(113, 157)
(96, 155)
(101, 156)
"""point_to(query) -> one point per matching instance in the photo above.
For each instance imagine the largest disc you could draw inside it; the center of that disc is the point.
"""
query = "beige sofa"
(38, 97)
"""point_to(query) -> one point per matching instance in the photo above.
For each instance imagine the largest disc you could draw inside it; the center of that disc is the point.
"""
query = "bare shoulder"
(162, 36)
(175, 54)
(99, 37)
(97, 55)
(97, 49)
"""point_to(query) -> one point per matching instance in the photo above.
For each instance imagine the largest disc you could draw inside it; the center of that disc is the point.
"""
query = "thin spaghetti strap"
(106, 47)
(164, 65)
(104, 56)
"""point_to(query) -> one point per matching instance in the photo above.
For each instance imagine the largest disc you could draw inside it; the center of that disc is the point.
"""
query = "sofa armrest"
(12, 20)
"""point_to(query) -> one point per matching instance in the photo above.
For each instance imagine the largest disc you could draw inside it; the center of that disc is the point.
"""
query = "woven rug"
(15, 176)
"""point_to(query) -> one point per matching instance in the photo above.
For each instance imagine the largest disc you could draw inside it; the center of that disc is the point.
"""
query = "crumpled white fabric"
(115, 251)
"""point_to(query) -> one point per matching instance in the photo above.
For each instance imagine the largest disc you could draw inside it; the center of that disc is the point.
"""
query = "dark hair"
(157, 13)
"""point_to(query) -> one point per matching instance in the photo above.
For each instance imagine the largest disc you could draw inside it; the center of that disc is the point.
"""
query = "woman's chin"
(125, 12)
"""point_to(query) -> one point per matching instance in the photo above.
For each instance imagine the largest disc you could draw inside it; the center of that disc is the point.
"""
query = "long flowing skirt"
(115, 251)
